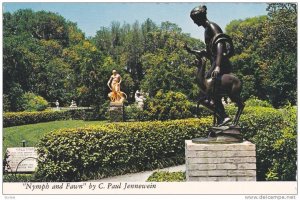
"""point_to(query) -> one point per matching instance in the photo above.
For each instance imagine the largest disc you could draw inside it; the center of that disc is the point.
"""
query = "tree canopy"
(47, 55)
(266, 54)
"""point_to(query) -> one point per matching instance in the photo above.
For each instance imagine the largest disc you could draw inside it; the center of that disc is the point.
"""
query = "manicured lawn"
(13, 136)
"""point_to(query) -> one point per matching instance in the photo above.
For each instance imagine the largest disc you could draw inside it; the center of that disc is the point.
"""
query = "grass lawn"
(13, 136)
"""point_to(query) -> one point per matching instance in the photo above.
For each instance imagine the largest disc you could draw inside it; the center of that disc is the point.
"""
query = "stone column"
(116, 112)
(220, 162)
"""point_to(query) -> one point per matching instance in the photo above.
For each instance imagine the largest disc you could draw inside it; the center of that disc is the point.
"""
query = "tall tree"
(247, 62)
(266, 54)
(280, 51)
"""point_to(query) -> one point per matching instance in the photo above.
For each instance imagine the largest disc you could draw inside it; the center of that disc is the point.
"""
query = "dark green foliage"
(33, 44)
(95, 152)
(22, 118)
(162, 176)
(34, 102)
(153, 56)
(285, 149)
(92, 115)
(169, 105)
(266, 54)
(112, 149)
(247, 64)
(12, 101)
(55, 60)
(254, 101)
(48, 56)
(133, 112)
(274, 134)
(280, 50)
(18, 178)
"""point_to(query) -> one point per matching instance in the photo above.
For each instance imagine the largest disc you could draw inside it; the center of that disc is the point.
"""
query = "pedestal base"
(220, 162)
(116, 112)
(221, 134)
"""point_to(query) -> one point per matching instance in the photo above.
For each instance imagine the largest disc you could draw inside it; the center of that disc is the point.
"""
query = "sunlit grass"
(13, 136)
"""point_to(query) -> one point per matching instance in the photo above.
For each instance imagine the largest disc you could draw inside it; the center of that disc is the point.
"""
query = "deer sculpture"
(228, 85)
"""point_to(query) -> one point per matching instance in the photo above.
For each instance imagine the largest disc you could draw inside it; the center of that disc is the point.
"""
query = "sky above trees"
(91, 16)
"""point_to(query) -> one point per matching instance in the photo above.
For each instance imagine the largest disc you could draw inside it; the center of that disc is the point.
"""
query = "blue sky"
(91, 16)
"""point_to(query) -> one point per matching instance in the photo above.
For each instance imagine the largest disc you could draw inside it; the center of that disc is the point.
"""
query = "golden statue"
(116, 95)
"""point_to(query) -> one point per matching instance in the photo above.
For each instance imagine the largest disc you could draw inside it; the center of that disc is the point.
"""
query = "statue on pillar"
(217, 82)
(116, 95)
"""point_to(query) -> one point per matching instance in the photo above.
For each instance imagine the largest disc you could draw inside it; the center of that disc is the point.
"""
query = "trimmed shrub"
(119, 148)
(170, 105)
(33, 102)
(254, 101)
(274, 134)
(106, 150)
(18, 178)
(22, 118)
(166, 177)
(133, 112)
(284, 149)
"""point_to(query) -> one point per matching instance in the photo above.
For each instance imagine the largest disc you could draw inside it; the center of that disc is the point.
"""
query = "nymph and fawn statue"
(116, 95)
(218, 81)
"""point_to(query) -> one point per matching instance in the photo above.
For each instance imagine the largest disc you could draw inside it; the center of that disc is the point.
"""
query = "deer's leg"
(223, 119)
(240, 104)
(240, 110)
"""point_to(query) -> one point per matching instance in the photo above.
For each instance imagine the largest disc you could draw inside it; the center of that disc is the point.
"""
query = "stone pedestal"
(116, 112)
(220, 162)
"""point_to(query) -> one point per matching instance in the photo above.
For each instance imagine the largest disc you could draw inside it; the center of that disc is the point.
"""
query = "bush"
(34, 102)
(12, 94)
(284, 149)
(6, 103)
(166, 177)
(113, 149)
(274, 134)
(18, 178)
(133, 112)
(23, 118)
(170, 105)
(254, 101)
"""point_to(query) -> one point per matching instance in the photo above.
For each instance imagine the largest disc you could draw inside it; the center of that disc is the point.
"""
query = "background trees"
(46, 55)
(266, 49)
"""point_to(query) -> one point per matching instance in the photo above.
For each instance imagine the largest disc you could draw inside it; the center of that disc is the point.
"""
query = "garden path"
(140, 176)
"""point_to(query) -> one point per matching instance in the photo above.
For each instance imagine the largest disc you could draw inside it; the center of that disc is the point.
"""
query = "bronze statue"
(217, 82)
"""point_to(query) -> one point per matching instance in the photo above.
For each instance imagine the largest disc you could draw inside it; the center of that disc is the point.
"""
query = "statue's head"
(114, 72)
(198, 15)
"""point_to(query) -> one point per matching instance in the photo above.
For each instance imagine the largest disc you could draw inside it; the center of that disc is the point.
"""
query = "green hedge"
(168, 106)
(163, 176)
(18, 178)
(23, 118)
(113, 149)
(95, 152)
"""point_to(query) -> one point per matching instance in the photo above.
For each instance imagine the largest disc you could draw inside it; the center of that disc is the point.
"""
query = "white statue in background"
(73, 104)
(139, 99)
